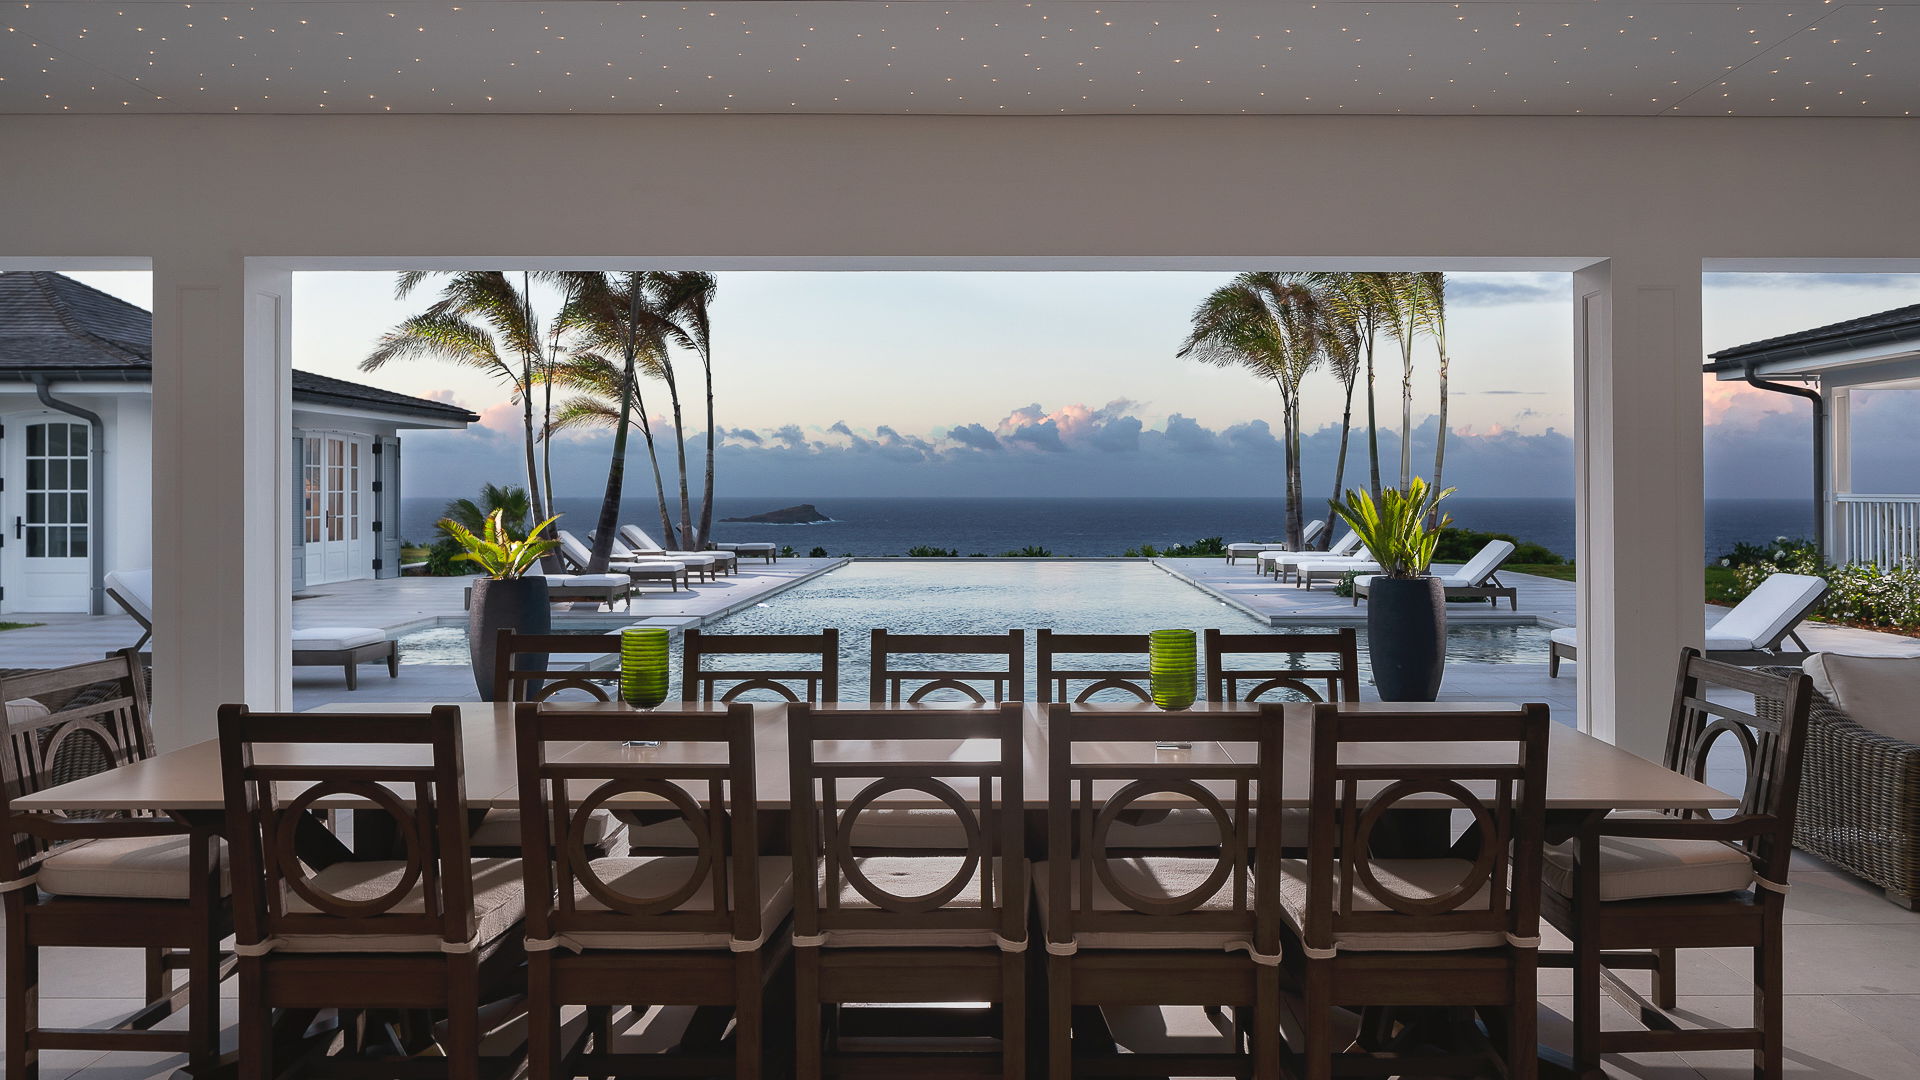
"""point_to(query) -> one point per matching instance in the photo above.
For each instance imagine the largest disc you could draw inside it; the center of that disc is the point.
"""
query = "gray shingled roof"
(52, 324)
(1899, 324)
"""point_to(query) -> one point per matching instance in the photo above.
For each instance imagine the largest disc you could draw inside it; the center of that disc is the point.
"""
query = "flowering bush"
(1861, 593)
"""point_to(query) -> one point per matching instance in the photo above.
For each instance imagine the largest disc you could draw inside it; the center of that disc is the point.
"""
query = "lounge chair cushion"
(1408, 877)
(645, 876)
(1565, 635)
(1156, 877)
(1877, 692)
(136, 588)
(501, 829)
(1635, 868)
(585, 581)
(646, 567)
(751, 545)
(133, 867)
(498, 906)
(911, 875)
(1482, 566)
(22, 710)
(1767, 613)
(333, 638)
(1338, 566)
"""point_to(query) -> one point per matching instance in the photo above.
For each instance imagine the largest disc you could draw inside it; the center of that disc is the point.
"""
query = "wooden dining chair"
(1326, 667)
(700, 681)
(1079, 685)
(523, 670)
(894, 683)
(433, 930)
(1419, 942)
(907, 928)
(121, 881)
(1631, 889)
(1156, 930)
(688, 929)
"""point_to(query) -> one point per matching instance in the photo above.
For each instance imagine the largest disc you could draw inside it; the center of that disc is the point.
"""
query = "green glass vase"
(1172, 668)
(644, 659)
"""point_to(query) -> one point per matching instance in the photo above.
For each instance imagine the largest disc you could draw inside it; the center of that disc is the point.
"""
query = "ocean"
(1109, 526)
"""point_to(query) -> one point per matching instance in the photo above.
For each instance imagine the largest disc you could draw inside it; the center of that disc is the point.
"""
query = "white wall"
(224, 205)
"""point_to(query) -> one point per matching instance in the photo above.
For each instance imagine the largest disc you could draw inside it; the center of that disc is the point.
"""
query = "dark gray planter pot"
(1407, 637)
(517, 603)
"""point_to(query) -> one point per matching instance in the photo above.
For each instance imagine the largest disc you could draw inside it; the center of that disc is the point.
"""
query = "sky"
(1058, 384)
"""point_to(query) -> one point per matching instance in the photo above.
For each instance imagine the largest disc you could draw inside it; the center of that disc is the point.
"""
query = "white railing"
(1881, 529)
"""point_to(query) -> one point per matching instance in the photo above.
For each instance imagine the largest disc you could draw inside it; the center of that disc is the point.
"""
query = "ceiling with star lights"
(974, 57)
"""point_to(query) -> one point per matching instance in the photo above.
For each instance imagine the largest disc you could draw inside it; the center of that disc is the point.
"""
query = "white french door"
(336, 501)
(45, 563)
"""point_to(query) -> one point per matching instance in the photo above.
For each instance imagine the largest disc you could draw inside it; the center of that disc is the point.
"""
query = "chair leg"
(749, 1018)
(543, 1019)
(463, 1018)
(353, 675)
(256, 1024)
(1523, 1019)
(159, 978)
(393, 660)
(203, 998)
(1319, 1021)
(1266, 1024)
(1013, 1016)
(806, 1014)
(23, 998)
(1666, 978)
(1553, 662)
(1059, 1018)
(1769, 977)
(1586, 999)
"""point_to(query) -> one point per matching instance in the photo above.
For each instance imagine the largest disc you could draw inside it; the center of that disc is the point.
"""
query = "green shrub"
(1457, 545)
(1212, 547)
(817, 553)
(925, 551)
(1345, 585)
(1031, 551)
(1144, 551)
(787, 551)
(1860, 592)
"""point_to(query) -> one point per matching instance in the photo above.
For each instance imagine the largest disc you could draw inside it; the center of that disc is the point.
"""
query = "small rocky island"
(804, 514)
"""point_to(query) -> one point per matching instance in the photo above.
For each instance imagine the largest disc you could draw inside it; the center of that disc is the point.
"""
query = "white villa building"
(76, 461)
(1825, 365)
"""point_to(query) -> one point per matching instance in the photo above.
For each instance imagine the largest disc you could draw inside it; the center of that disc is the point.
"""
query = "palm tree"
(685, 299)
(1401, 305)
(1266, 323)
(1347, 316)
(612, 316)
(480, 321)
(1431, 291)
(512, 504)
(1369, 300)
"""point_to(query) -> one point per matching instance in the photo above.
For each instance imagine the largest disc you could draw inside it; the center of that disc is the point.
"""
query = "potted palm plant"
(1406, 606)
(506, 596)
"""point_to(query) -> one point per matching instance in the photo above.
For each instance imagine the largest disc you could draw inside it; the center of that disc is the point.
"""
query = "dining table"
(1586, 776)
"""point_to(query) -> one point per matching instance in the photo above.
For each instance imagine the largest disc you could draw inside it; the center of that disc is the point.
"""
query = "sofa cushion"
(330, 638)
(1880, 693)
(137, 867)
(498, 906)
(660, 874)
(1408, 877)
(1637, 868)
(24, 710)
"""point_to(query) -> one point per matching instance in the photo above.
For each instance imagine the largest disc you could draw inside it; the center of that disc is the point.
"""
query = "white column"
(1638, 432)
(221, 413)
(1839, 478)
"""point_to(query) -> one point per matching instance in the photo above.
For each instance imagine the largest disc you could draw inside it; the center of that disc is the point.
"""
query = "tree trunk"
(609, 522)
(1340, 465)
(1373, 426)
(1406, 407)
(680, 450)
(1440, 444)
(653, 456)
(713, 437)
(1290, 425)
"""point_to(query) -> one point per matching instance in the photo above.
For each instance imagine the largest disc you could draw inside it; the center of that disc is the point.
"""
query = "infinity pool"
(992, 597)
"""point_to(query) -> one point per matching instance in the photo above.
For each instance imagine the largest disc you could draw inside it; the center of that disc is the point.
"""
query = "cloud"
(747, 435)
(1185, 435)
(792, 436)
(1469, 290)
(974, 436)
(1907, 282)
(1044, 435)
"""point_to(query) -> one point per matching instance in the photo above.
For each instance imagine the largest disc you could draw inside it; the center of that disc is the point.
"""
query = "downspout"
(1819, 450)
(97, 490)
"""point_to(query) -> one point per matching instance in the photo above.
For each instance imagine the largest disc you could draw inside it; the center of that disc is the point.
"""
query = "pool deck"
(1542, 601)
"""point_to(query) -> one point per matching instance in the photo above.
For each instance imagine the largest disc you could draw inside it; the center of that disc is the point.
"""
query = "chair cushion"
(586, 581)
(1635, 868)
(937, 830)
(1193, 828)
(644, 567)
(24, 710)
(498, 906)
(1408, 877)
(1565, 635)
(1156, 877)
(329, 638)
(657, 874)
(501, 829)
(911, 875)
(137, 867)
(1876, 692)
(1769, 611)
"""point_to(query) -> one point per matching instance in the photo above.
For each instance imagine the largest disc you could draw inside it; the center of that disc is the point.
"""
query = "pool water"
(913, 597)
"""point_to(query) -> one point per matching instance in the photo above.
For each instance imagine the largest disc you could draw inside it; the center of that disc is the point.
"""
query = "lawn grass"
(1722, 586)
(1557, 571)
(19, 625)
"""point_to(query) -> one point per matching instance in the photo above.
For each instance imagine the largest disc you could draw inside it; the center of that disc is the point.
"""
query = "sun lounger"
(1280, 562)
(313, 646)
(1308, 537)
(758, 549)
(711, 564)
(1752, 633)
(644, 546)
(1312, 570)
(575, 554)
(1474, 581)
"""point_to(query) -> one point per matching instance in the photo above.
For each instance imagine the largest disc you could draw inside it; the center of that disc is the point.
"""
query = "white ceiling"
(1546, 57)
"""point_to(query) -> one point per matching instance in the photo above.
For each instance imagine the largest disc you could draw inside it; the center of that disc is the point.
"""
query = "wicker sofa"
(1860, 801)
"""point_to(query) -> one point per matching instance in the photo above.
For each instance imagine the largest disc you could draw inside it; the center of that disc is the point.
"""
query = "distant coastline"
(1093, 526)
